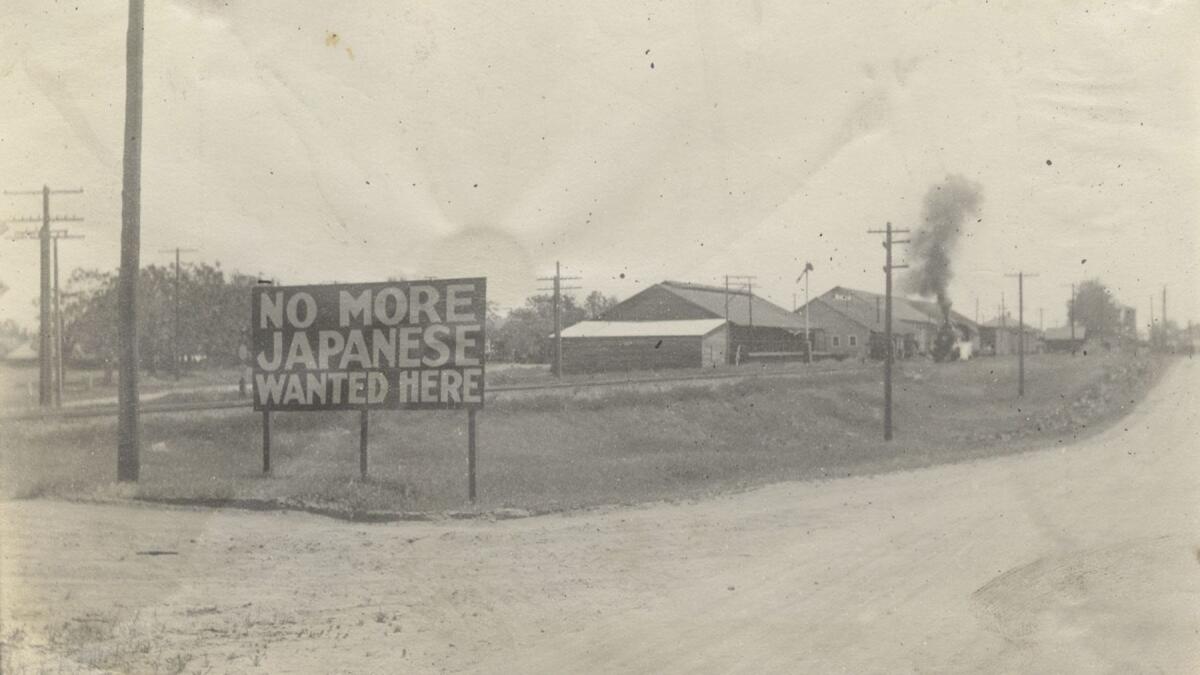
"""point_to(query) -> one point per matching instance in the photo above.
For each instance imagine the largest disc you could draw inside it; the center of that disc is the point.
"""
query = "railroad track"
(150, 408)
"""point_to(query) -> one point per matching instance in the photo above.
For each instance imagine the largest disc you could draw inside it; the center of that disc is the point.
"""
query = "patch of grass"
(553, 451)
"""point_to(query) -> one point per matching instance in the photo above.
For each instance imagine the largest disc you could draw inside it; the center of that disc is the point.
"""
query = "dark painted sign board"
(406, 345)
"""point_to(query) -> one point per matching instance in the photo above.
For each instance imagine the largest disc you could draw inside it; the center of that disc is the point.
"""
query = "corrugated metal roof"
(864, 307)
(685, 328)
(712, 299)
(861, 307)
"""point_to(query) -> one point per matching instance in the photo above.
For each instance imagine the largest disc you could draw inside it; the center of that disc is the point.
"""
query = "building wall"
(752, 339)
(714, 348)
(833, 327)
(584, 355)
(1006, 341)
(656, 304)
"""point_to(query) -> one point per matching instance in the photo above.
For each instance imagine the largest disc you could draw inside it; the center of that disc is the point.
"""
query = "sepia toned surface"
(742, 454)
(1080, 558)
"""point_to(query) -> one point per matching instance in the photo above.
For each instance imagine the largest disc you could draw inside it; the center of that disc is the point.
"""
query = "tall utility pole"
(889, 349)
(129, 439)
(1071, 317)
(54, 354)
(557, 289)
(740, 283)
(808, 267)
(1041, 319)
(1021, 329)
(726, 297)
(1166, 336)
(750, 300)
(60, 375)
(1150, 335)
(175, 292)
(44, 236)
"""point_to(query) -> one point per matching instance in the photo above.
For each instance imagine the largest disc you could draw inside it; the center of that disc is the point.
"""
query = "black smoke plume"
(948, 205)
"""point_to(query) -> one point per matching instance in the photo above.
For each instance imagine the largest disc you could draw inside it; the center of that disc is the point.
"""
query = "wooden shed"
(594, 346)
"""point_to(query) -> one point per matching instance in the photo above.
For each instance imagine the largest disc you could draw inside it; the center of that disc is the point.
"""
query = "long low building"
(758, 328)
(592, 346)
(850, 323)
(1002, 336)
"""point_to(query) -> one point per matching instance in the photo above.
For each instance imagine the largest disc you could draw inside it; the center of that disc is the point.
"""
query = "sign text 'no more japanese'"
(392, 345)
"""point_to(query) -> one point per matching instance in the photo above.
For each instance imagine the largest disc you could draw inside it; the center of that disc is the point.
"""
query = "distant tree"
(89, 308)
(1094, 307)
(526, 334)
(597, 304)
(214, 311)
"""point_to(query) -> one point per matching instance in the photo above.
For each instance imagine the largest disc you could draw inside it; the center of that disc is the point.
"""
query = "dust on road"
(1080, 558)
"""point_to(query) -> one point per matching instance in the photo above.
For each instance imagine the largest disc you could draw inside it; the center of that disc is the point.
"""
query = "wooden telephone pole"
(54, 355)
(889, 349)
(129, 436)
(557, 289)
(45, 324)
(1020, 329)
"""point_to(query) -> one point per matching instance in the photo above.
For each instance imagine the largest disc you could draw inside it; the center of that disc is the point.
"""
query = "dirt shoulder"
(1074, 558)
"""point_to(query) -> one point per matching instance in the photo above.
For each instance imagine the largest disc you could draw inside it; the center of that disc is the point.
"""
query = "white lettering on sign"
(384, 345)
(293, 310)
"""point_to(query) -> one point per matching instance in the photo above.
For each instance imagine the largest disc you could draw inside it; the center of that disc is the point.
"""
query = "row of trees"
(525, 334)
(215, 311)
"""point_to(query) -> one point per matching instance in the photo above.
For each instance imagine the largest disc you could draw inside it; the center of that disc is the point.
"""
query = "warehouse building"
(1002, 337)
(850, 324)
(758, 329)
(592, 346)
(1065, 338)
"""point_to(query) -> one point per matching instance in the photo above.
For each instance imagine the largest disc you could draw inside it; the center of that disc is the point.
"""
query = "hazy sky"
(317, 141)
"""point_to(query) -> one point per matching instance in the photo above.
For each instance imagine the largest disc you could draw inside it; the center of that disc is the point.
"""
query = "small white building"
(594, 346)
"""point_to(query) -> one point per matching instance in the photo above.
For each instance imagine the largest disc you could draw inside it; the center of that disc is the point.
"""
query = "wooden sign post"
(404, 345)
(471, 455)
(362, 442)
(266, 429)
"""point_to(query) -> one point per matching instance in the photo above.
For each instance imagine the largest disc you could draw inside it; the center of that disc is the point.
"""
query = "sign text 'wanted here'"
(393, 345)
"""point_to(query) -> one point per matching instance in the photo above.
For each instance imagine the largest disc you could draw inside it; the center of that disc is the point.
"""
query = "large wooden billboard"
(379, 346)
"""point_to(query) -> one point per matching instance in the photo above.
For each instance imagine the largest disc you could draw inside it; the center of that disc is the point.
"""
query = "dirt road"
(1072, 559)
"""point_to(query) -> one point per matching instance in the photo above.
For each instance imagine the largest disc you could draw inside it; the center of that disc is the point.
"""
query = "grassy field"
(19, 384)
(548, 452)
